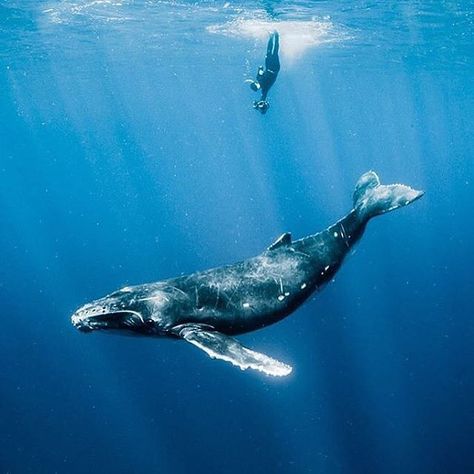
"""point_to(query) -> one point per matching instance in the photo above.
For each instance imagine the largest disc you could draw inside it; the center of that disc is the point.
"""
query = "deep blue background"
(129, 153)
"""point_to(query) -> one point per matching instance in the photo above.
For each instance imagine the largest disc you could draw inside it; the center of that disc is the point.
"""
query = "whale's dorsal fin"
(219, 346)
(284, 239)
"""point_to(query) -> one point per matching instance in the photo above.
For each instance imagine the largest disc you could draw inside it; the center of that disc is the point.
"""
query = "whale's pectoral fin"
(220, 346)
(284, 239)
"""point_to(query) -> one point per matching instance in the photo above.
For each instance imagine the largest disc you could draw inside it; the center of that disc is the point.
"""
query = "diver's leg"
(269, 55)
(276, 43)
(270, 45)
(272, 60)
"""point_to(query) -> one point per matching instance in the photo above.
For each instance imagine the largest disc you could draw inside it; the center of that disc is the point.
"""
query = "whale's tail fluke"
(372, 198)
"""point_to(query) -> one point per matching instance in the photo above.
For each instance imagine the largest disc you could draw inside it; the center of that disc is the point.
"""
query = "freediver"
(267, 77)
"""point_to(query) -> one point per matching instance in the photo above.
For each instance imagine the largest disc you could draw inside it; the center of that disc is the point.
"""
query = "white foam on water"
(296, 36)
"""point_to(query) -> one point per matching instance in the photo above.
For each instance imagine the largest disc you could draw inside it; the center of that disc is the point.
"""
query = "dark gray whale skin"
(262, 290)
(206, 308)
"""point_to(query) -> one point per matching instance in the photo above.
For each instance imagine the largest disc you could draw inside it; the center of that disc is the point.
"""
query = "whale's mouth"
(106, 320)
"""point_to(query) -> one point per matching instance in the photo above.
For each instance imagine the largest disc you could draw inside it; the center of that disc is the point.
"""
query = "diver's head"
(262, 106)
(255, 86)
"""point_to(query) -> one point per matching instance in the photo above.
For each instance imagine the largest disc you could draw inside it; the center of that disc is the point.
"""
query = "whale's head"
(130, 308)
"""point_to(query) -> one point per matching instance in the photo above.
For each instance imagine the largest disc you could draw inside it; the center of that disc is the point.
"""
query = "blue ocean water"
(129, 153)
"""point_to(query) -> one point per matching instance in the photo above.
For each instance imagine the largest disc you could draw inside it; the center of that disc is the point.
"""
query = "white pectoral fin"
(220, 346)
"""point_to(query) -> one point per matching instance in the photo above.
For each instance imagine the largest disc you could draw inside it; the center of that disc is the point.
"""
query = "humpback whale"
(208, 308)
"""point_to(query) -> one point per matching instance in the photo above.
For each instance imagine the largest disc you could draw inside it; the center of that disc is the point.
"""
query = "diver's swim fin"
(219, 346)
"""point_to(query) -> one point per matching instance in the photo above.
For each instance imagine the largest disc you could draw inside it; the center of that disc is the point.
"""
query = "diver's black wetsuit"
(267, 77)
